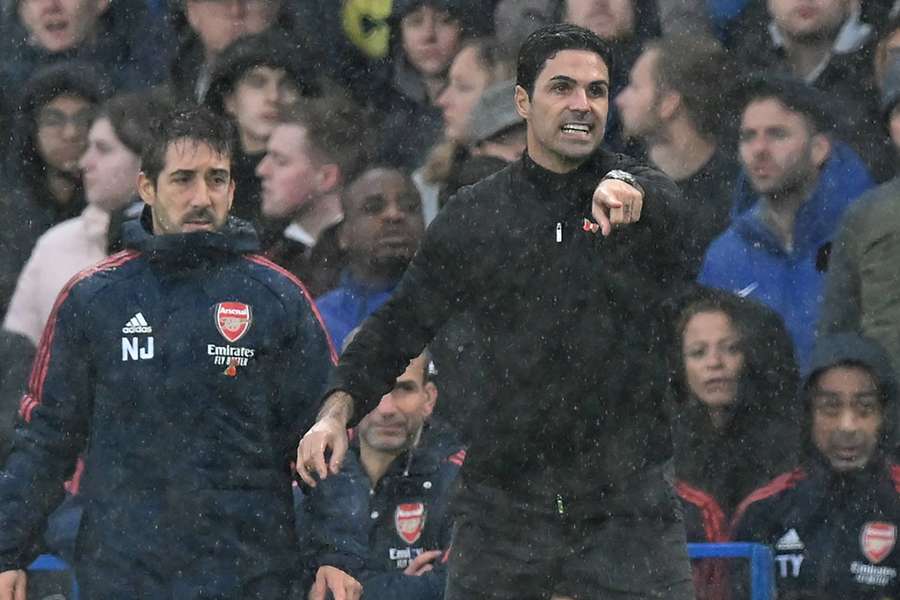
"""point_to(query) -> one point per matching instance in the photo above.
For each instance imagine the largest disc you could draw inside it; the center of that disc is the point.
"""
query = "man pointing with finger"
(566, 490)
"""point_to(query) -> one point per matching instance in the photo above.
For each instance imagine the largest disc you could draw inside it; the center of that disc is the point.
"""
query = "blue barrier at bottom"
(762, 570)
(48, 562)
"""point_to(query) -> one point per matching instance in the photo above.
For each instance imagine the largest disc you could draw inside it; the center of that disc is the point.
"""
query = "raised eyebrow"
(215, 172)
(183, 172)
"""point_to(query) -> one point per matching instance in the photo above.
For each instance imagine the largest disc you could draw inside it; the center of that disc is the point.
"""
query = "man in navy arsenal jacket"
(182, 369)
(832, 522)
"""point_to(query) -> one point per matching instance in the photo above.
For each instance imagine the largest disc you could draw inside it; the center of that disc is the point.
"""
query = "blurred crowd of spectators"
(357, 120)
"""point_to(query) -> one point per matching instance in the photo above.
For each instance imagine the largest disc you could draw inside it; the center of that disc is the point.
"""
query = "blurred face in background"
(638, 103)
(431, 38)
(62, 128)
(395, 423)
(610, 19)
(58, 25)
(467, 81)
(219, 22)
(255, 102)
(713, 359)
(109, 168)
(291, 173)
(809, 20)
(778, 148)
(847, 416)
(383, 222)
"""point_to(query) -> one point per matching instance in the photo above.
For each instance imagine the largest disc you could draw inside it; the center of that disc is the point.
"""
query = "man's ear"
(821, 149)
(146, 189)
(328, 178)
(523, 102)
(669, 104)
(432, 392)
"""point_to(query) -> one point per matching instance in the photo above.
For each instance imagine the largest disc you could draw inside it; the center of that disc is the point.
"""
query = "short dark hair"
(192, 122)
(337, 131)
(546, 42)
(796, 95)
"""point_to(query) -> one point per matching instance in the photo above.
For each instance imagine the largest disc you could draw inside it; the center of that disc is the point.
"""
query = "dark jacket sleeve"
(318, 544)
(671, 255)
(841, 304)
(53, 429)
(436, 286)
(397, 586)
(305, 365)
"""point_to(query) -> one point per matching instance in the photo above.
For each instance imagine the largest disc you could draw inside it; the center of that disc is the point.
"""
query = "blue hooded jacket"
(749, 260)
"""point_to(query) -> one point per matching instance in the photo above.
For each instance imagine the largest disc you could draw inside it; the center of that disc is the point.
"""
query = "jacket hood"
(856, 350)
(237, 237)
(24, 165)
(270, 49)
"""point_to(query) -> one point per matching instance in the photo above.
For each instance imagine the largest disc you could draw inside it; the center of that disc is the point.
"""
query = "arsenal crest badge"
(877, 540)
(233, 320)
(409, 519)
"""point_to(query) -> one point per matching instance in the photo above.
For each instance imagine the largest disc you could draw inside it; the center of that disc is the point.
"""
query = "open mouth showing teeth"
(576, 128)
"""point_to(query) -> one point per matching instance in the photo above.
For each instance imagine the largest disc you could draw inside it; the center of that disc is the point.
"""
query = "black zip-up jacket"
(183, 369)
(571, 323)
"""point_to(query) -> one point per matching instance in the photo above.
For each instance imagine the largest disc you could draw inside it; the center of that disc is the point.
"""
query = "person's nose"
(86, 161)
(715, 360)
(393, 213)
(578, 101)
(430, 28)
(847, 421)
(262, 169)
(202, 196)
(236, 9)
(71, 131)
(443, 99)
(387, 406)
(758, 146)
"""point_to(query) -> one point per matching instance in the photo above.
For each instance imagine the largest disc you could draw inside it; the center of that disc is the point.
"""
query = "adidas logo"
(790, 541)
(137, 324)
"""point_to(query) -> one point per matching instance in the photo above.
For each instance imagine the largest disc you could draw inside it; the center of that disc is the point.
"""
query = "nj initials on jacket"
(135, 347)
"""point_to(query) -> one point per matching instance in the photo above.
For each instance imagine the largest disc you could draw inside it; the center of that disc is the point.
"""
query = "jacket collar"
(237, 237)
(573, 189)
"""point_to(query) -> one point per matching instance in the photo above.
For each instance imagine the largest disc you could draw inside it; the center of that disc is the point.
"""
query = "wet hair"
(546, 42)
(336, 131)
(793, 93)
(195, 123)
(132, 117)
(695, 66)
